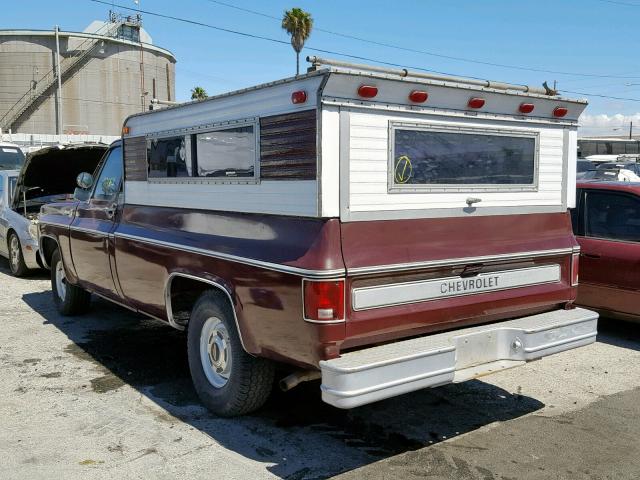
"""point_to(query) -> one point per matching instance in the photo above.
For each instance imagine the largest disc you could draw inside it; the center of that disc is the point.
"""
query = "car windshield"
(11, 158)
(584, 166)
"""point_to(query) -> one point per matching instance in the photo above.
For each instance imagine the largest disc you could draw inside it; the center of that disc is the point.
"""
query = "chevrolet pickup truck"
(380, 230)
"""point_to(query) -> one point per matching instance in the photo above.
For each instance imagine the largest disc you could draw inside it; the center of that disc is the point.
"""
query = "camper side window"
(169, 157)
(454, 160)
(227, 153)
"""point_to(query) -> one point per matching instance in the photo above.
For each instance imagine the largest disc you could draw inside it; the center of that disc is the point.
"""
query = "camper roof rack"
(317, 62)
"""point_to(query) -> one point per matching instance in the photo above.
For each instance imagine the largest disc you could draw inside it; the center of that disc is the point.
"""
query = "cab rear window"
(460, 160)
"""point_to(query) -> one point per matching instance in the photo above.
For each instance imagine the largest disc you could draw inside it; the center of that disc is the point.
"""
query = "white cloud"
(601, 125)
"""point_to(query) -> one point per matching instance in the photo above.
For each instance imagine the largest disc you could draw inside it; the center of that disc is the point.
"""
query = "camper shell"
(380, 229)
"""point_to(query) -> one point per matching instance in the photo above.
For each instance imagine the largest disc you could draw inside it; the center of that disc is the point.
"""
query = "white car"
(48, 175)
(18, 238)
(11, 157)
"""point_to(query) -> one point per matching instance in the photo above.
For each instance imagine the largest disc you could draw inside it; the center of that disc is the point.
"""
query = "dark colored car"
(583, 166)
(606, 222)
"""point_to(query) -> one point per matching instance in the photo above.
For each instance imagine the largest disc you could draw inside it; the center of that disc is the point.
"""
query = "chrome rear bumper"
(373, 374)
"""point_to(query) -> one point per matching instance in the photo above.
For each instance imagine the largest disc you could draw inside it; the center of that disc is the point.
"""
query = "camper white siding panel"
(260, 102)
(329, 161)
(270, 197)
(368, 164)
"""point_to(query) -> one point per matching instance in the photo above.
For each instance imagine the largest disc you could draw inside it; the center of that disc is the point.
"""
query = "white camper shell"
(356, 141)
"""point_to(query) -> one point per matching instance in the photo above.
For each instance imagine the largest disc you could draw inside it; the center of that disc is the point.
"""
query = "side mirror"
(84, 180)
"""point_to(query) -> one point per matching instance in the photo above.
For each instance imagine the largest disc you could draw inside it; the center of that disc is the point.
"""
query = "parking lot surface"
(108, 395)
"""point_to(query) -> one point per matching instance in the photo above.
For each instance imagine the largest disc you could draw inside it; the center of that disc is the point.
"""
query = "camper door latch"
(472, 200)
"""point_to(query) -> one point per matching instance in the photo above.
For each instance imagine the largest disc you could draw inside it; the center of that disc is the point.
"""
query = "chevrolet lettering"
(469, 284)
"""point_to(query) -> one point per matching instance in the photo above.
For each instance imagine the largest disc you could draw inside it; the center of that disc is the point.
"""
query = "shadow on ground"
(619, 333)
(295, 434)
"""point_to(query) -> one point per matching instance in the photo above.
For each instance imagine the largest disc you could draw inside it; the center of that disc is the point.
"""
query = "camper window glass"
(169, 157)
(227, 153)
(461, 160)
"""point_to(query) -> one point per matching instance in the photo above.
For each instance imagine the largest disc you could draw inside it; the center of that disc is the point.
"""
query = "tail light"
(575, 268)
(323, 300)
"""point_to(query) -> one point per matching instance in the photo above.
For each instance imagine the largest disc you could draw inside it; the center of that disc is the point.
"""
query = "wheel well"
(47, 247)
(182, 294)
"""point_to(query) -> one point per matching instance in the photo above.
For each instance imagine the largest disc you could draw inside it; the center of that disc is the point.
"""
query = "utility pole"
(630, 130)
(59, 118)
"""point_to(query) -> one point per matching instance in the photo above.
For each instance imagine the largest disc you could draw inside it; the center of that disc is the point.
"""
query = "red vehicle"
(381, 230)
(606, 222)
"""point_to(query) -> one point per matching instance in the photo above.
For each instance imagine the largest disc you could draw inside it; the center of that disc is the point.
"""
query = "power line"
(616, 2)
(426, 52)
(603, 96)
(357, 57)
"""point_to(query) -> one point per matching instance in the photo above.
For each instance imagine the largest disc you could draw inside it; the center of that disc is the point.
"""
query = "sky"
(589, 47)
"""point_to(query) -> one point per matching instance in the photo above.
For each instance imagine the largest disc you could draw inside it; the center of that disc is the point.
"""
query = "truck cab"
(381, 230)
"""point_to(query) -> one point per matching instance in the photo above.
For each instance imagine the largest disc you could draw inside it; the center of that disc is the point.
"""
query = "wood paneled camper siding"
(288, 146)
(135, 158)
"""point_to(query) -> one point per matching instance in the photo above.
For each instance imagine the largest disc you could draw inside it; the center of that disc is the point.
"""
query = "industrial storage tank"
(108, 72)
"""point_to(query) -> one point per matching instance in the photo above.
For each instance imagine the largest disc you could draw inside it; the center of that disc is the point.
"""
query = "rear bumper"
(373, 374)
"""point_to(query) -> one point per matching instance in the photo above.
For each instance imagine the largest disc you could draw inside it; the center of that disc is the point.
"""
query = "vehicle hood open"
(52, 171)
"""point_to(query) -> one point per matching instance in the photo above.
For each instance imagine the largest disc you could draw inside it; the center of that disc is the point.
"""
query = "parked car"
(48, 175)
(613, 172)
(18, 243)
(584, 166)
(11, 157)
(606, 222)
(340, 225)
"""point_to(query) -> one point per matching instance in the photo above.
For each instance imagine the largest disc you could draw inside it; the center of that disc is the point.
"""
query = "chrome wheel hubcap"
(14, 252)
(61, 281)
(215, 352)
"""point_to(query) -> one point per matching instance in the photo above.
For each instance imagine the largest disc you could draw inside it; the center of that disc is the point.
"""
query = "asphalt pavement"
(108, 395)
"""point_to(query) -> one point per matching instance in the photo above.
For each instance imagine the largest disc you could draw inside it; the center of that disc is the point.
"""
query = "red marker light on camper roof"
(418, 96)
(367, 91)
(299, 97)
(560, 112)
(476, 102)
(526, 107)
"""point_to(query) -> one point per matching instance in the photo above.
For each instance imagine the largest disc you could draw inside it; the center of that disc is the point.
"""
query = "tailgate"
(407, 277)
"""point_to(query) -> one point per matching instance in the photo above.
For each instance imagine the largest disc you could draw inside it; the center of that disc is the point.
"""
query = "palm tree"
(198, 93)
(298, 24)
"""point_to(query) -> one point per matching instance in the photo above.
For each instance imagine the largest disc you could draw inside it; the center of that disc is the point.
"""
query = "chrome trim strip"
(54, 224)
(455, 261)
(385, 293)
(167, 297)
(89, 231)
(319, 274)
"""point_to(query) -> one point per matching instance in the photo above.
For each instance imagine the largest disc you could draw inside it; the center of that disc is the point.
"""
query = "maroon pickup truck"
(380, 230)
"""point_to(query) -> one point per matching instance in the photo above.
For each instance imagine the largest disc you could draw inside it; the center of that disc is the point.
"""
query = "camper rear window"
(461, 160)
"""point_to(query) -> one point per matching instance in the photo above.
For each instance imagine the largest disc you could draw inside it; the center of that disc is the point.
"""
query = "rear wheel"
(69, 299)
(228, 380)
(16, 259)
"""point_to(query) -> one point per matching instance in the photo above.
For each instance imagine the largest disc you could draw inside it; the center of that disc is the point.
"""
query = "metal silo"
(109, 71)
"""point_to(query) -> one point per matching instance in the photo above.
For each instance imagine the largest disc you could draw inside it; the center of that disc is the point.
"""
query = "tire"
(69, 299)
(228, 380)
(16, 260)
